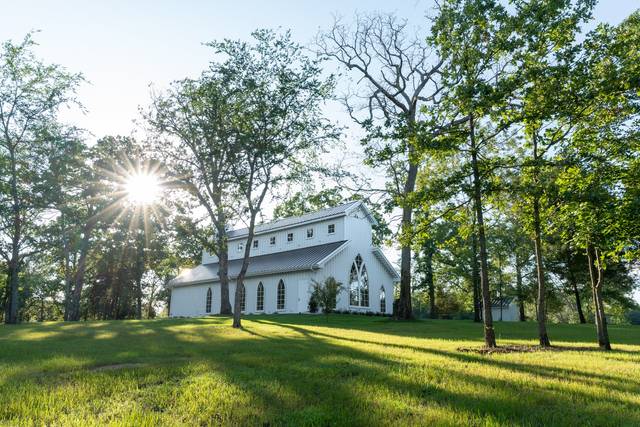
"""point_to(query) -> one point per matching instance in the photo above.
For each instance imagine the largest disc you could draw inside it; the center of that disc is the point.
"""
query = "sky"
(122, 47)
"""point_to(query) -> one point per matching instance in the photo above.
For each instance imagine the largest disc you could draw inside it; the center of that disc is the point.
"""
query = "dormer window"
(309, 233)
(331, 228)
(240, 247)
(272, 240)
(255, 244)
(289, 237)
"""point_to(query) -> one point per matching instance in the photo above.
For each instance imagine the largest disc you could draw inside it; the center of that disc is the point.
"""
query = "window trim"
(208, 301)
(284, 296)
(243, 298)
(329, 226)
(272, 240)
(240, 247)
(310, 229)
(259, 297)
(361, 271)
(256, 242)
(290, 240)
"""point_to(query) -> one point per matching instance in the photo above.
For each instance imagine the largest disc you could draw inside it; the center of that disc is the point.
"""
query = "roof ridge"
(301, 218)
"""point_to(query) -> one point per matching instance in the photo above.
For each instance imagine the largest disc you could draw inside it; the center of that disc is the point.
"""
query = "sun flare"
(143, 189)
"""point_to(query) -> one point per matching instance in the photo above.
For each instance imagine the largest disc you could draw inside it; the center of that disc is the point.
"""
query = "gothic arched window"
(358, 283)
(207, 305)
(383, 301)
(243, 298)
(260, 297)
(281, 296)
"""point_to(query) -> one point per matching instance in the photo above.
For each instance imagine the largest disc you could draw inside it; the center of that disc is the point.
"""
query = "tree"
(278, 122)
(473, 37)
(31, 94)
(196, 137)
(303, 202)
(325, 294)
(399, 82)
(599, 182)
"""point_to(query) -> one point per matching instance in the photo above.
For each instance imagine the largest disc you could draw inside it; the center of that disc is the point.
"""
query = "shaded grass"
(301, 370)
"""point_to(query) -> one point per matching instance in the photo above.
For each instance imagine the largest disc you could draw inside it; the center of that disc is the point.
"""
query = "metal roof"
(333, 212)
(504, 301)
(307, 258)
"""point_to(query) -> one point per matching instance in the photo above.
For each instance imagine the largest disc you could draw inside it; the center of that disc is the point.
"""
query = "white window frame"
(329, 227)
(272, 240)
(289, 235)
(310, 229)
(240, 247)
(256, 244)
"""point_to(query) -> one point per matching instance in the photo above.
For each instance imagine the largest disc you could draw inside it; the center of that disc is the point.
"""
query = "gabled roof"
(308, 258)
(334, 212)
(385, 262)
(504, 302)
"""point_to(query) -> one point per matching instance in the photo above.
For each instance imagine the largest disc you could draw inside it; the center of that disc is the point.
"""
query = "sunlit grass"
(301, 370)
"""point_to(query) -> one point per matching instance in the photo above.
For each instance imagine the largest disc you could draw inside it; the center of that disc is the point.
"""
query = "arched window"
(207, 305)
(354, 285)
(358, 283)
(260, 297)
(281, 296)
(243, 298)
(364, 287)
(383, 301)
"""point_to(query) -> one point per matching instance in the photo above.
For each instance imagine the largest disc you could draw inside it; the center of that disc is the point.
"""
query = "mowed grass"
(301, 370)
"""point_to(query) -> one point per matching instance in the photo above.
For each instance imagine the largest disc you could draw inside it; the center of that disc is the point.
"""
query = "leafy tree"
(399, 80)
(279, 124)
(195, 137)
(301, 202)
(31, 94)
(325, 294)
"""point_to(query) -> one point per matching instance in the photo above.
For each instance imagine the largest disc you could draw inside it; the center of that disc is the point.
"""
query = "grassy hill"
(300, 370)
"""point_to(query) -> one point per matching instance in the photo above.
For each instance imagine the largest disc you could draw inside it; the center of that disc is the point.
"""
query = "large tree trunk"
(574, 286)
(80, 273)
(489, 333)
(519, 288)
(475, 275)
(222, 245)
(542, 312)
(428, 278)
(11, 305)
(596, 276)
(237, 310)
(68, 277)
(405, 310)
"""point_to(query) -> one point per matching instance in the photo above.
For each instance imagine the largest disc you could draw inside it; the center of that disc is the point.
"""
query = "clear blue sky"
(123, 46)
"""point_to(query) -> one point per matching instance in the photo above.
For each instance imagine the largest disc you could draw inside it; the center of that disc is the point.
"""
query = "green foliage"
(301, 370)
(325, 295)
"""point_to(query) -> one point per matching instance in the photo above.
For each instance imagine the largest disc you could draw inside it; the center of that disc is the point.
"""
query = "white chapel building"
(286, 255)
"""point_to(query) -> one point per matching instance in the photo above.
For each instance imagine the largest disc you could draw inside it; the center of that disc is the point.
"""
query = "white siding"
(509, 314)
(300, 240)
(355, 227)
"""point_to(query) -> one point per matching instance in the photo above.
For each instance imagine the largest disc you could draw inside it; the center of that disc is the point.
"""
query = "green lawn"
(300, 370)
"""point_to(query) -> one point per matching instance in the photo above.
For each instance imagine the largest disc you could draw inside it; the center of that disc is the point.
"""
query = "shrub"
(313, 304)
(325, 294)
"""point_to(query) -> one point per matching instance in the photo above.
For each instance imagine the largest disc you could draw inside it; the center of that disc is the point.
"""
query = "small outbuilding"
(505, 309)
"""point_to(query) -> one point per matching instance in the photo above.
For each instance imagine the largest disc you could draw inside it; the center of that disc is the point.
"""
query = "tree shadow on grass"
(293, 374)
(622, 384)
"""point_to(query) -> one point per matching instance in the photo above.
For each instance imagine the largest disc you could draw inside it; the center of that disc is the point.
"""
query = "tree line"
(507, 135)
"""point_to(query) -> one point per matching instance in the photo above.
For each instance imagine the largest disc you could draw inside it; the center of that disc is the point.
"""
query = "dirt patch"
(116, 366)
(521, 349)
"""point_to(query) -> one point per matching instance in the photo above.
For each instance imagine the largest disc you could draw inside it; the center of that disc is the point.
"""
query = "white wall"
(190, 300)
(509, 314)
(300, 240)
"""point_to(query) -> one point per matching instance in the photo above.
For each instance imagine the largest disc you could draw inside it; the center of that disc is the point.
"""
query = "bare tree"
(398, 86)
